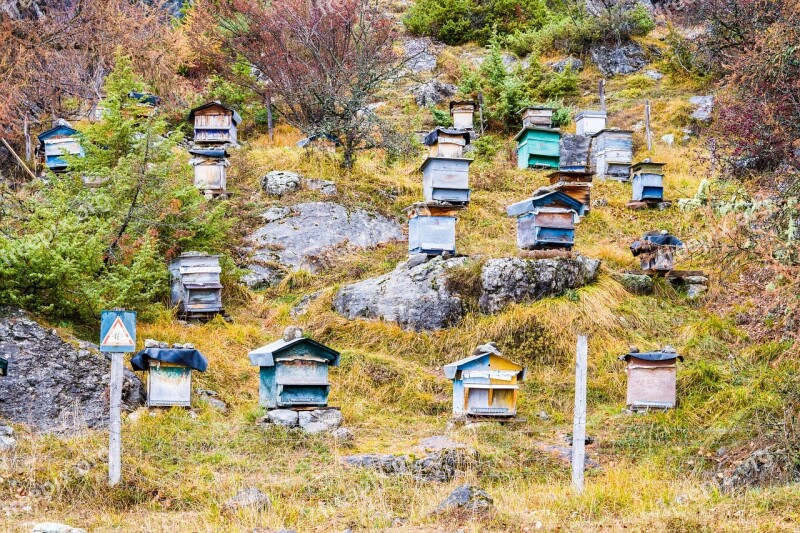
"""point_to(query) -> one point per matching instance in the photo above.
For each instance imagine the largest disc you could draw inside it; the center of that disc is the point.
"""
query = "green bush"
(459, 21)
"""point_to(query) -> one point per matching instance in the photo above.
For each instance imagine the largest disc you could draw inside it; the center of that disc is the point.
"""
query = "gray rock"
(53, 386)
(249, 498)
(695, 280)
(668, 139)
(416, 297)
(515, 280)
(316, 230)
(283, 417)
(432, 92)
(636, 283)
(438, 443)
(55, 527)
(704, 107)
(385, 463)
(760, 468)
(325, 187)
(695, 291)
(320, 420)
(573, 62)
(343, 436)
(600, 202)
(564, 454)
(275, 213)
(280, 182)
(542, 415)
(301, 307)
(618, 59)
(420, 55)
(6, 431)
(442, 466)
(216, 404)
(7, 443)
(466, 498)
(653, 74)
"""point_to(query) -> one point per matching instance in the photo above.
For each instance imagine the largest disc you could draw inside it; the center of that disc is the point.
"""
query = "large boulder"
(703, 107)
(51, 384)
(280, 182)
(420, 54)
(303, 235)
(514, 280)
(617, 59)
(432, 92)
(415, 296)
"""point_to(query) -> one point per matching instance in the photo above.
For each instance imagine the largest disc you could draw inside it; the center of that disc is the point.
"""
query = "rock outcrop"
(302, 235)
(432, 92)
(417, 295)
(618, 59)
(466, 498)
(438, 466)
(51, 385)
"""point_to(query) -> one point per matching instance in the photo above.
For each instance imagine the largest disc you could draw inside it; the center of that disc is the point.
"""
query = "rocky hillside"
(304, 241)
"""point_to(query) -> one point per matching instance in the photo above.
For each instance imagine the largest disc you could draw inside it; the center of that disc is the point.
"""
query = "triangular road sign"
(117, 335)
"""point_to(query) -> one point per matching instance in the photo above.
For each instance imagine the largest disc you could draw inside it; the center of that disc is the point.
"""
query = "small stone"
(325, 187)
(542, 415)
(329, 419)
(6, 431)
(668, 139)
(704, 107)
(216, 404)
(695, 280)
(248, 498)
(343, 436)
(695, 291)
(432, 92)
(280, 182)
(653, 74)
(600, 202)
(663, 206)
(312, 428)
(574, 63)
(466, 498)
(7, 443)
(636, 283)
(151, 343)
(55, 527)
(283, 417)
(292, 333)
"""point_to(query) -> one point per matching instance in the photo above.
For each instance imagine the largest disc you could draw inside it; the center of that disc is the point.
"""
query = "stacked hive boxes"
(214, 128)
(538, 141)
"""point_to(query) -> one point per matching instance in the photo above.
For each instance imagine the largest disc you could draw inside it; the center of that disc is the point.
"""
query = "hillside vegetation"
(661, 471)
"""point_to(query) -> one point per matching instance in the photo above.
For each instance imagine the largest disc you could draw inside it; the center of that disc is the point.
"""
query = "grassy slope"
(180, 466)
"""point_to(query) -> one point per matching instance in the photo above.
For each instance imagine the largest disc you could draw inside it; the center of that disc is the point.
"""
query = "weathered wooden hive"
(214, 123)
(293, 371)
(537, 117)
(210, 169)
(485, 384)
(656, 251)
(446, 179)
(169, 374)
(538, 147)
(590, 122)
(546, 220)
(3, 367)
(574, 153)
(463, 113)
(57, 143)
(651, 378)
(612, 153)
(432, 228)
(576, 184)
(444, 142)
(195, 284)
(647, 179)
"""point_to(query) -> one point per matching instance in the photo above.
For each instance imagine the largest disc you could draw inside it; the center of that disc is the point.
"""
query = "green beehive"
(538, 147)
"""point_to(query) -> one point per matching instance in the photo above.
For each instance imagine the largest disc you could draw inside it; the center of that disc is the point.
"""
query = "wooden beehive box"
(443, 142)
(547, 220)
(590, 122)
(538, 148)
(612, 154)
(195, 284)
(446, 179)
(577, 185)
(169, 374)
(214, 123)
(293, 371)
(463, 113)
(647, 180)
(651, 379)
(537, 117)
(432, 228)
(574, 153)
(57, 143)
(210, 170)
(485, 384)
(656, 251)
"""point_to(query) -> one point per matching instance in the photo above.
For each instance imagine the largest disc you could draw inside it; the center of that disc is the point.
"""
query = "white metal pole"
(579, 420)
(115, 420)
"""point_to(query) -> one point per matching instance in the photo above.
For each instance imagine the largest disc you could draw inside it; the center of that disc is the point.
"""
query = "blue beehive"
(547, 219)
(293, 371)
(446, 179)
(432, 228)
(58, 142)
(485, 383)
(648, 181)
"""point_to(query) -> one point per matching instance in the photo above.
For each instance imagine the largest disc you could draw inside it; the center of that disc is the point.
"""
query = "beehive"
(195, 284)
(590, 122)
(537, 117)
(210, 170)
(546, 220)
(647, 179)
(463, 113)
(577, 185)
(57, 143)
(214, 123)
(612, 154)
(432, 228)
(169, 374)
(443, 142)
(446, 179)
(651, 379)
(538, 148)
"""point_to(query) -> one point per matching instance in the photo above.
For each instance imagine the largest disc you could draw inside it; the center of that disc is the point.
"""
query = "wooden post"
(269, 116)
(480, 109)
(18, 158)
(579, 417)
(647, 125)
(115, 420)
(602, 88)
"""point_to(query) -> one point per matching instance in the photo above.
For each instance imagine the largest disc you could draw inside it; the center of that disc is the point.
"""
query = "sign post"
(117, 336)
(579, 417)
